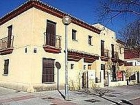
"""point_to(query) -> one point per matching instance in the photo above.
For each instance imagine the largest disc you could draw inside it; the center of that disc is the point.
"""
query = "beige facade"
(25, 63)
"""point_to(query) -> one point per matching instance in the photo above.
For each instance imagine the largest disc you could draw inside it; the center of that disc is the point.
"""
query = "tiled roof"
(131, 53)
(46, 8)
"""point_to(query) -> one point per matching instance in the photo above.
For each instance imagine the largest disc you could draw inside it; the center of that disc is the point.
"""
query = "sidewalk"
(112, 97)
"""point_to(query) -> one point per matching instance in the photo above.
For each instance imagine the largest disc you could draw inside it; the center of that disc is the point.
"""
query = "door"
(48, 70)
(51, 33)
(113, 72)
(85, 80)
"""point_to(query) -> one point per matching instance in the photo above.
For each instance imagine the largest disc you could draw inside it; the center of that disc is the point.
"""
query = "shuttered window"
(9, 36)
(112, 47)
(90, 40)
(48, 70)
(74, 34)
(102, 48)
(6, 66)
(50, 33)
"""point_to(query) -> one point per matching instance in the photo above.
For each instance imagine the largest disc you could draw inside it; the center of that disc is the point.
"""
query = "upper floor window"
(90, 40)
(112, 48)
(102, 47)
(9, 36)
(6, 66)
(50, 33)
(74, 34)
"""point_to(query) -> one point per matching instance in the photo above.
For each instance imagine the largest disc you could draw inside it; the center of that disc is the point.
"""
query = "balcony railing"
(52, 44)
(105, 55)
(115, 58)
(6, 45)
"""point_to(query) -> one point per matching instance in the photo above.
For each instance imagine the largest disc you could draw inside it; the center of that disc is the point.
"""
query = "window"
(72, 66)
(6, 66)
(9, 36)
(89, 67)
(112, 47)
(90, 40)
(84, 67)
(74, 34)
(35, 50)
(102, 48)
(103, 68)
(121, 50)
(50, 33)
(48, 70)
(26, 50)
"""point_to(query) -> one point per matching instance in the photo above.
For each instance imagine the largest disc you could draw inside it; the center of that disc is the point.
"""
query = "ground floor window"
(103, 68)
(6, 66)
(48, 70)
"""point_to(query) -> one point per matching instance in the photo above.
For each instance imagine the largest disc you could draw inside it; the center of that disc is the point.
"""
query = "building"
(111, 57)
(132, 63)
(132, 56)
(32, 41)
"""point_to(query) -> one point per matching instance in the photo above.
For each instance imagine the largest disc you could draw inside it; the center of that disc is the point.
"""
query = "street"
(122, 95)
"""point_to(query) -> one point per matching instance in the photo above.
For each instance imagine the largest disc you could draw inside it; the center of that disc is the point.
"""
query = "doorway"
(85, 80)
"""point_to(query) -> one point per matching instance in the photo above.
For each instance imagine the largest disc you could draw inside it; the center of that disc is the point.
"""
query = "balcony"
(105, 55)
(115, 57)
(6, 45)
(52, 44)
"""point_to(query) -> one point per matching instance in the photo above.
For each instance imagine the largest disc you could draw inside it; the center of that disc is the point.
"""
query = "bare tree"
(110, 9)
(131, 36)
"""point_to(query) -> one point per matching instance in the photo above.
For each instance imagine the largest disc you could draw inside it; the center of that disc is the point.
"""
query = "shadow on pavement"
(61, 94)
(111, 101)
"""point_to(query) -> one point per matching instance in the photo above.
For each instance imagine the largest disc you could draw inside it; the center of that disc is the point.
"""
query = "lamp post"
(66, 21)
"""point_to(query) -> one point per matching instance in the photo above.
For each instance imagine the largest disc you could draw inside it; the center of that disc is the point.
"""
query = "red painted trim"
(16, 12)
(103, 58)
(51, 49)
(114, 59)
(6, 51)
(46, 8)
(131, 53)
(76, 56)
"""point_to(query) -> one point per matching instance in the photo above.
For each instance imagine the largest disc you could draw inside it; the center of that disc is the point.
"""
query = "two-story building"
(111, 56)
(32, 40)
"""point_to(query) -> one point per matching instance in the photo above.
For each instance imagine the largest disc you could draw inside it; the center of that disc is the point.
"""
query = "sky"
(85, 10)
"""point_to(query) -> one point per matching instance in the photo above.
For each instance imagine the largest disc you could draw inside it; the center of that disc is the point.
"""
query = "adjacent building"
(32, 40)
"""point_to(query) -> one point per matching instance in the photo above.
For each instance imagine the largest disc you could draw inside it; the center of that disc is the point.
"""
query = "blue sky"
(85, 10)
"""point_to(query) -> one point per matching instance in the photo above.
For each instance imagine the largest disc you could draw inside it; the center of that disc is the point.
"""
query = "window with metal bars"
(48, 70)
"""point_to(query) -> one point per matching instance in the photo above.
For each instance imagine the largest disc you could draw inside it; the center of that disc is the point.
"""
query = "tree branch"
(124, 11)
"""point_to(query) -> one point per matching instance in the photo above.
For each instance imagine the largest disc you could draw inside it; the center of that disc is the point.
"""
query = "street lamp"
(66, 21)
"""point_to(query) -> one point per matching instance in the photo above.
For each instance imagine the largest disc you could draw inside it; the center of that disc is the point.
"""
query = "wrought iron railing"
(106, 53)
(6, 43)
(116, 55)
(52, 40)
